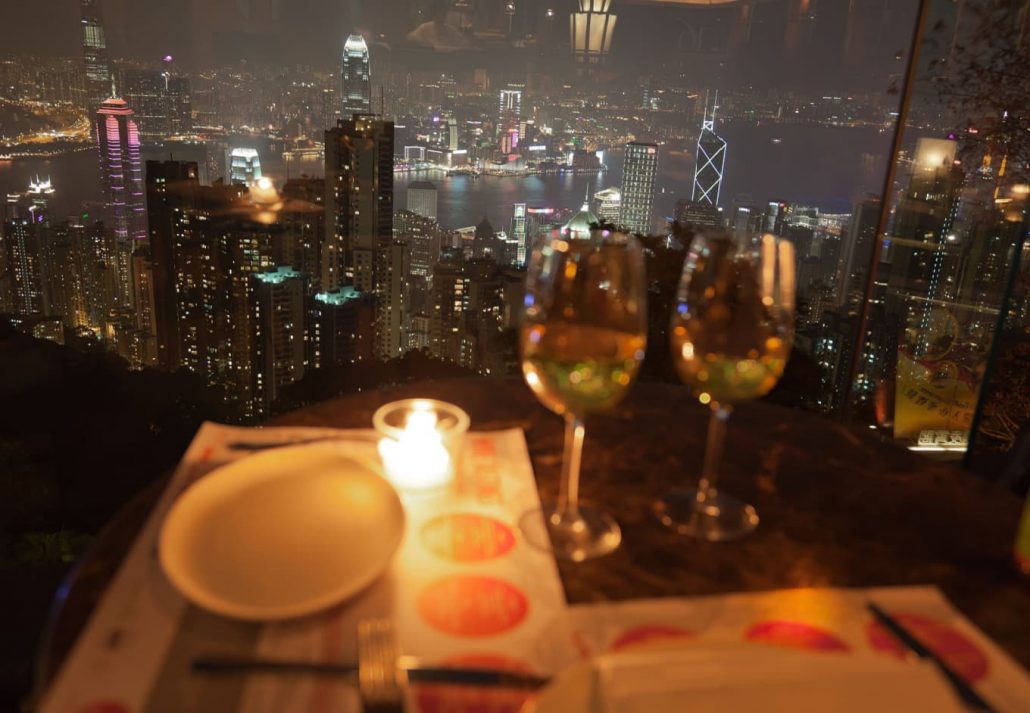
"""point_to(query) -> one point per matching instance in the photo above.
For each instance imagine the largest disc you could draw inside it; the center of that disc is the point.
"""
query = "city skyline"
(238, 266)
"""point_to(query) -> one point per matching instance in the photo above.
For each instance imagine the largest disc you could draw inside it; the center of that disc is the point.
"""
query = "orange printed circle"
(649, 634)
(958, 652)
(795, 635)
(472, 606)
(464, 537)
(443, 698)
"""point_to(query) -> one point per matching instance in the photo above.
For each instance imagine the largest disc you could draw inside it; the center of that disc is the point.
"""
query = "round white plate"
(282, 534)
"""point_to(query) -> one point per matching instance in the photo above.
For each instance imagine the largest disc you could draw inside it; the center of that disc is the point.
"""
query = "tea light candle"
(421, 442)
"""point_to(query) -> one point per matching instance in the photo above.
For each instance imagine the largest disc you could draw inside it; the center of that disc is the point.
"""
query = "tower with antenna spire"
(710, 160)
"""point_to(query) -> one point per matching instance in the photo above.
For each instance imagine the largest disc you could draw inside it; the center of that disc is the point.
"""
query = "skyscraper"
(710, 160)
(244, 165)
(857, 251)
(519, 234)
(358, 202)
(94, 51)
(356, 79)
(609, 203)
(121, 180)
(24, 258)
(277, 325)
(509, 107)
(639, 173)
(422, 198)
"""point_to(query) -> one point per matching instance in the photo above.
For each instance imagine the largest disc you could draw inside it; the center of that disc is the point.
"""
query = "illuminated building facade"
(244, 166)
(710, 161)
(358, 202)
(121, 181)
(609, 204)
(356, 77)
(94, 51)
(639, 174)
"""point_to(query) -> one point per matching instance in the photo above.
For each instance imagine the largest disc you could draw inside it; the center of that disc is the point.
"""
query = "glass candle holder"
(420, 442)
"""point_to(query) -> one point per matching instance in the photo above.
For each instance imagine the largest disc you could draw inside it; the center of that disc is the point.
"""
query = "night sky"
(812, 52)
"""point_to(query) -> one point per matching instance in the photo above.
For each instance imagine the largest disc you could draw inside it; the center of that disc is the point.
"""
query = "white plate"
(749, 677)
(282, 534)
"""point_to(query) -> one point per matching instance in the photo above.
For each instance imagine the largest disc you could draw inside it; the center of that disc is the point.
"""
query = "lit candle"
(416, 455)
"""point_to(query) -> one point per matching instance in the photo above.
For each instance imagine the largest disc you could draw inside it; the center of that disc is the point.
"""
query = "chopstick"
(415, 673)
(965, 691)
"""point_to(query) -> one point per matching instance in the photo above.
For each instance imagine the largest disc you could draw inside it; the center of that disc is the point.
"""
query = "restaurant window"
(229, 211)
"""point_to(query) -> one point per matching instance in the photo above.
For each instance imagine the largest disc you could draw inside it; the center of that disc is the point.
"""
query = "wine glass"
(731, 334)
(584, 330)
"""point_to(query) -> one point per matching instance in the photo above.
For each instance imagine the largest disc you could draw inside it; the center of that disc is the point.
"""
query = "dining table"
(839, 506)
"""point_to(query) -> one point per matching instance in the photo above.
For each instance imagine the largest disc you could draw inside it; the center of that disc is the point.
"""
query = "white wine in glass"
(583, 338)
(731, 335)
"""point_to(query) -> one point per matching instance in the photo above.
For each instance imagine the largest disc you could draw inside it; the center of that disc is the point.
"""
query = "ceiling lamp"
(591, 30)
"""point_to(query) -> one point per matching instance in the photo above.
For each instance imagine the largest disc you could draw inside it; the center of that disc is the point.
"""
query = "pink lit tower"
(121, 179)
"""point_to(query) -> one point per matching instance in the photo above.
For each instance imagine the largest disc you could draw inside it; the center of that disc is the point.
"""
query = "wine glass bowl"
(583, 337)
(731, 335)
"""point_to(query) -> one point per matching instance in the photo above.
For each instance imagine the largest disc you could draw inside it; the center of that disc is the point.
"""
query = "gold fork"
(381, 682)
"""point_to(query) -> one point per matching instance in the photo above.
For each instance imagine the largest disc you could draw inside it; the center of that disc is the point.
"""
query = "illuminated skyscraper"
(244, 166)
(519, 234)
(359, 216)
(94, 50)
(609, 203)
(639, 172)
(121, 180)
(710, 161)
(356, 77)
(509, 113)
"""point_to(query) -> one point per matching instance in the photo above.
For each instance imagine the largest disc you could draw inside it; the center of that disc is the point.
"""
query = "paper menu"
(462, 589)
(830, 623)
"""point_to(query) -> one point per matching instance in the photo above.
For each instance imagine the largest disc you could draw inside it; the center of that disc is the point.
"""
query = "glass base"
(722, 517)
(590, 535)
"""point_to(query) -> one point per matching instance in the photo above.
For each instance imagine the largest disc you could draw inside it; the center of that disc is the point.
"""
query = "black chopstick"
(416, 674)
(905, 637)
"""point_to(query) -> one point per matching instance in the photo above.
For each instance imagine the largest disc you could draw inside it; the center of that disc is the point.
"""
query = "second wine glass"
(583, 337)
(731, 334)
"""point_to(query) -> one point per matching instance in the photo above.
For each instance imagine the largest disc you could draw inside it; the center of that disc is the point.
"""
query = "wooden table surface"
(838, 507)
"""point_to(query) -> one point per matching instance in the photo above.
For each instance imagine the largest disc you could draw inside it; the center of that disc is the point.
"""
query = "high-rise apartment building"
(355, 78)
(303, 219)
(856, 252)
(171, 187)
(277, 332)
(639, 174)
(393, 301)
(26, 266)
(422, 198)
(358, 202)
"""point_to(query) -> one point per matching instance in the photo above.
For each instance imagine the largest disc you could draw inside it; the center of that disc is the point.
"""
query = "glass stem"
(568, 495)
(713, 452)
